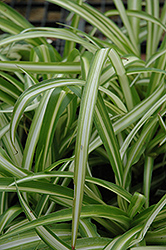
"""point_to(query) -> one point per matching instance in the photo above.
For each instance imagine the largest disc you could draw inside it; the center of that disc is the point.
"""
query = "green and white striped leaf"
(123, 242)
(8, 216)
(52, 240)
(84, 129)
(98, 20)
(41, 67)
(49, 32)
(31, 93)
(57, 103)
(148, 169)
(136, 204)
(98, 211)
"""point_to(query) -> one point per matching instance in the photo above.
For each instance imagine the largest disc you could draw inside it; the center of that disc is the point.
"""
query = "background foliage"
(83, 134)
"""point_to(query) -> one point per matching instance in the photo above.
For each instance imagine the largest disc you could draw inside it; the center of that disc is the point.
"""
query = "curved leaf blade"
(84, 129)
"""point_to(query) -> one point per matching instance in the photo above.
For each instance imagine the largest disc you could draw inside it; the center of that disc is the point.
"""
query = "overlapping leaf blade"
(120, 103)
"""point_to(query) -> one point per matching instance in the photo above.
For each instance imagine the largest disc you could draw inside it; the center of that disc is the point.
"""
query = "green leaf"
(57, 103)
(139, 110)
(34, 132)
(149, 248)
(123, 80)
(47, 235)
(105, 184)
(134, 22)
(100, 21)
(123, 242)
(7, 167)
(47, 32)
(84, 129)
(88, 211)
(16, 158)
(31, 93)
(149, 220)
(70, 45)
(138, 148)
(15, 82)
(105, 129)
(13, 15)
(122, 12)
(8, 216)
(17, 19)
(136, 204)
(142, 15)
(41, 67)
(148, 169)
(87, 228)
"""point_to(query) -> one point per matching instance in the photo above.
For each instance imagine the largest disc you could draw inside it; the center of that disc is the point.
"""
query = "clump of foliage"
(83, 134)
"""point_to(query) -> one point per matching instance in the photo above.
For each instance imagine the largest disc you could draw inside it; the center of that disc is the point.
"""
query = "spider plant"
(83, 133)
